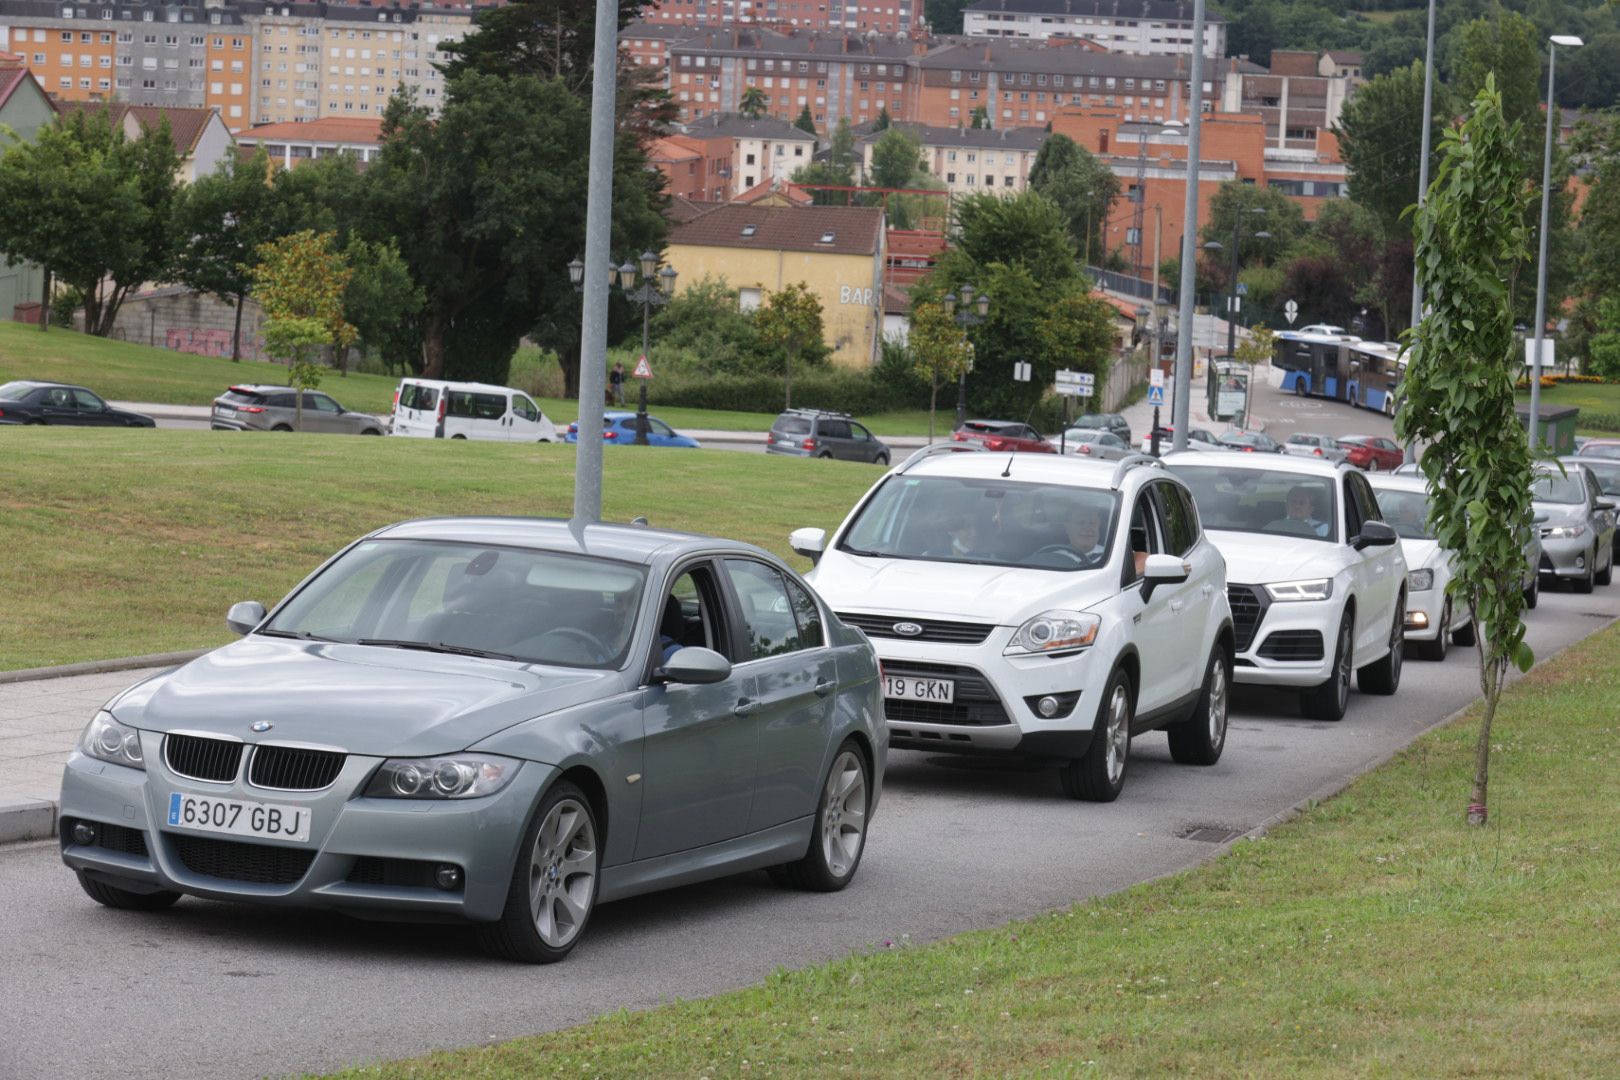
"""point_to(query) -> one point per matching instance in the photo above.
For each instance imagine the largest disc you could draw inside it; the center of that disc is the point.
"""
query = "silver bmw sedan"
(502, 720)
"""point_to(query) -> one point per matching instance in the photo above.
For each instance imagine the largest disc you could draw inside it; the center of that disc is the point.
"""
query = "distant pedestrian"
(616, 382)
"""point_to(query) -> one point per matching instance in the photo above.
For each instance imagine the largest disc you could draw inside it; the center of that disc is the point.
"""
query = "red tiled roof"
(770, 186)
(186, 125)
(855, 230)
(334, 129)
(681, 209)
(673, 148)
(13, 73)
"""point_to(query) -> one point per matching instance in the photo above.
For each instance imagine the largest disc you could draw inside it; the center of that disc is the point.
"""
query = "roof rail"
(1129, 462)
(936, 449)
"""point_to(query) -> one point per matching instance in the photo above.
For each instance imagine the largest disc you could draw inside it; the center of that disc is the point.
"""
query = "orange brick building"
(694, 168)
(73, 61)
(229, 55)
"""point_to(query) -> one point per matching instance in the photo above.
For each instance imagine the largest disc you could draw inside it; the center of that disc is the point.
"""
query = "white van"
(432, 409)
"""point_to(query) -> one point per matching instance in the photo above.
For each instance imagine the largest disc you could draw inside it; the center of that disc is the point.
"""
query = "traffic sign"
(1291, 311)
(1022, 370)
(1075, 378)
(1243, 288)
(643, 369)
(1156, 395)
(1156, 377)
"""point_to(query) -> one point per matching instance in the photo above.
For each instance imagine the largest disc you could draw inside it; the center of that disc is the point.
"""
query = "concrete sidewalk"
(39, 722)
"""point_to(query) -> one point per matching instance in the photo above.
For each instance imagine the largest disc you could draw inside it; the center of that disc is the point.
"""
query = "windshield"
(985, 522)
(512, 603)
(1552, 488)
(1266, 501)
(1604, 451)
(1607, 472)
(1407, 512)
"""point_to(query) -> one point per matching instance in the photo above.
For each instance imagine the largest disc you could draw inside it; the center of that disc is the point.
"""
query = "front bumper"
(994, 712)
(1566, 556)
(1424, 610)
(1289, 644)
(363, 855)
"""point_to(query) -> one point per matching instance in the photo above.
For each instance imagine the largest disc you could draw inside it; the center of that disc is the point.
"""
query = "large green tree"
(1081, 186)
(1507, 47)
(1026, 229)
(93, 207)
(1251, 209)
(548, 39)
(753, 103)
(896, 159)
(790, 323)
(221, 220)
(1458, 394)
(1381, 136)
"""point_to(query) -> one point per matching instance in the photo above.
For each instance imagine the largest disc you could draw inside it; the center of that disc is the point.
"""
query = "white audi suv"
(1315, 577)
(1044, 606)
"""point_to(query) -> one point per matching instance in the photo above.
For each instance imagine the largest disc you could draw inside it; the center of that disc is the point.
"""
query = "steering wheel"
(1065, 551)
(596, 650)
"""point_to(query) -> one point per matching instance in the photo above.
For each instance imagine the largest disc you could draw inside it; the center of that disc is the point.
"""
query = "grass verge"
(122, 543)
(120, 371)
(1375, 935)
(1598, 402)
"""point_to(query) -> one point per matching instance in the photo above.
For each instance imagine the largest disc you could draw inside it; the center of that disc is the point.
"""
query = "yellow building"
(837, 252)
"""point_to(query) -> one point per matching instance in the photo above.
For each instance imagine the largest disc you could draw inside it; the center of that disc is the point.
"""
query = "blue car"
(620, 427)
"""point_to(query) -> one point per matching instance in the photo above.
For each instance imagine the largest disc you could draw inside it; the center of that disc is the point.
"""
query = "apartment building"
(751, 152)
(698, 170)
(289, 145)
(884, 17)
(837, 75)
(69, 48)
(646, 43)
(229, 55)
(1143, 27)
(1297, 101)
(970, 160)
(1023, 84)
(201, 139)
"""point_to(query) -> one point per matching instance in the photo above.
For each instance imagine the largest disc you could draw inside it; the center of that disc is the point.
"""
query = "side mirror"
(244, 616)
(1605, 504)
(809, 542)
(1374, 534)
(696, 665)
(1163, 570)
(1539, 519)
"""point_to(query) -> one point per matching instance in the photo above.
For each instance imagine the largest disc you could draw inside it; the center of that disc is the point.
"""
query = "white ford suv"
(1315, 577)
(1048, 606)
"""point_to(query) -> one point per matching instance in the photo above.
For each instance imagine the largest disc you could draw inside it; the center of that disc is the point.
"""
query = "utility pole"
(1179, 413)
(598, 264)
(1409, 450)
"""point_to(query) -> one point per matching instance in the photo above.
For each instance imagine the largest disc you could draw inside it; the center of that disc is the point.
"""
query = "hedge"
(855, 392)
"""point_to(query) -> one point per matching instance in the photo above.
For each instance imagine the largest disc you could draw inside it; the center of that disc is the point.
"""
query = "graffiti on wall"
(201, 342)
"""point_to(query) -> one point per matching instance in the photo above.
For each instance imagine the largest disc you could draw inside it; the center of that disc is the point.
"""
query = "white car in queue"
(1045, 606)
(1433, 621)
(1315, 577)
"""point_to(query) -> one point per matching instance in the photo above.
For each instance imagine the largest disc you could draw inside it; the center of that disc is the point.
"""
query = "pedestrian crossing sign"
(1155, 395)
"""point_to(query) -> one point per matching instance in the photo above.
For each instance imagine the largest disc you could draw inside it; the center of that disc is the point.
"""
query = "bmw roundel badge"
(261, 725)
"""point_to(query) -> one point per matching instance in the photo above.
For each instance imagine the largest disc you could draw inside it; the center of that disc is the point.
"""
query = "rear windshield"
(417, 396)
(1607, 472)
(984, 428)
(1610, 451)
(987, 522)
(16, 391)
(1407, 512)
(238, 397)
(793, 425)
(1273, 502)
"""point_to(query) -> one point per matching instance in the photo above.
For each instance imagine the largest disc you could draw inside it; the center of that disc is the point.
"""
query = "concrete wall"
(188, 322)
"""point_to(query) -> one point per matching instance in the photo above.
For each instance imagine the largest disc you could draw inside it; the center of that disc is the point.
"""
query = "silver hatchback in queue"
(501, 720)
(275, 408)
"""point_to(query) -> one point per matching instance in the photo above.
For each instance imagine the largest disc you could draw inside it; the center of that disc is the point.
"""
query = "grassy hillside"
(130, 542)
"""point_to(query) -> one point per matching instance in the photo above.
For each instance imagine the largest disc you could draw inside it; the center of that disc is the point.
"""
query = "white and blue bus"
(1363, 373)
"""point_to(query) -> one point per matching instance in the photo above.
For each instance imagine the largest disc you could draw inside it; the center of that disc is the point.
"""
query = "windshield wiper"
(440, 647)
(301, 635)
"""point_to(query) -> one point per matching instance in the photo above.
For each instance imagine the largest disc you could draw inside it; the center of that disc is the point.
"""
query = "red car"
(1372, 452)
(1003, 435)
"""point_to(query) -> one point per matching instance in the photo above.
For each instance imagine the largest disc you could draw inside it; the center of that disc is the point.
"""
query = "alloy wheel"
(1217, 704)
(843, 814)
(1118, 733)
(562, 873)
(1342, 676)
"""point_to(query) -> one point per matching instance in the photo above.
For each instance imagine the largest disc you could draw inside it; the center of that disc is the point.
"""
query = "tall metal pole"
(1231, 300)
(1158, 227)
(641, 399)
(1410, 450)
(1189, 240)
(598, 230)
(1541, 267)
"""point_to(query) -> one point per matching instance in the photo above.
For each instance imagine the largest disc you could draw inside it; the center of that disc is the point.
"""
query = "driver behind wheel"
(1083, 531)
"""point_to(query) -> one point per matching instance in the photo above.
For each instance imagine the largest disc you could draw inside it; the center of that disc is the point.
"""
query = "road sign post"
(1291, 312)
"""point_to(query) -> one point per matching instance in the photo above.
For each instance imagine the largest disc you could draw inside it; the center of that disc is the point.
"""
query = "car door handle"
(1177, 605)
(1208, 589)
(825, 687)
(748, 706)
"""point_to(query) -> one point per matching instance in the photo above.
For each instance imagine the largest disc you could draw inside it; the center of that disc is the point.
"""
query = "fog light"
(1580, 561)
(1417, 620)
(84, 833)
(1047, 706)
(447, 877)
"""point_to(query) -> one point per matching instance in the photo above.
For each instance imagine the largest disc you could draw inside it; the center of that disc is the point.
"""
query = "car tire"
(1584, 585)
(1329, 700)
(125, 899)
(1383, 676)
(839, 837)
(1606, 575)
(1436, 650)
(1299, 387)
(1099, 776)
(825, 455)
(559, 859)
(1373, 466)
(462, 437)
(371, 431)
(282, 427)
(881, 459)
(1200, 739)
(1466, 637)
(1532, 595)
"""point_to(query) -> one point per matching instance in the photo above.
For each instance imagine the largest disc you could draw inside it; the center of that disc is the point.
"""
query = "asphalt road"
(1285, 414)
(215, 990)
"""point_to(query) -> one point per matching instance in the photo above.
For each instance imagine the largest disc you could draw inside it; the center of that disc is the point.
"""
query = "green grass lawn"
(1375, 935)
(124, 372)
(122, 543)
(1593, 399)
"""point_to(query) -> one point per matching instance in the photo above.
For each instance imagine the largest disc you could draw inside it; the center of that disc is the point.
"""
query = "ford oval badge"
(261, 725)
(907, 629)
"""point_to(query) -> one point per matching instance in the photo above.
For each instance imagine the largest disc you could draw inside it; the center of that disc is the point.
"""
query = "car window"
(471, 406)
(1609, 451)
(231, 397)
(792, 425)
(1352, 509)
(1268, 501)
(321, 402)
(1180, 529)
(1366, 501)
(808, 614)
(1608, 475)
(524, 407)
(1146, 535)
(87, 401)
(283, 401)
(1407, 512)
(1111, 440)
(1552, 488)
(15, 391)
(417, 396)
(691, 616)
(658, 427)
(59, 397)
(858, 433)
(768, 614)
(834, 429)
(989, 522)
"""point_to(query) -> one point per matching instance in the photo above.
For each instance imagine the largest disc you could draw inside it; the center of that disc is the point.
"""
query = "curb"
(27, 819)
(96, 667)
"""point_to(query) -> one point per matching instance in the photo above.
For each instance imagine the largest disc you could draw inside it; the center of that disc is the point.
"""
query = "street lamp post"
(1238, 237)
(655, 290)
(1571, 42)
(973, 313)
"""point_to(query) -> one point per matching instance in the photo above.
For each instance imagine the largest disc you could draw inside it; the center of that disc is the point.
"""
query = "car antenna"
(1005, 473)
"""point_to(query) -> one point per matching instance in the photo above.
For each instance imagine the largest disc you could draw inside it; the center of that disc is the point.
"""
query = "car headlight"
(1314, 589)
(453, 776)
(1420, 580)
(105, 739)
(1562, 532)
(1053, 633)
